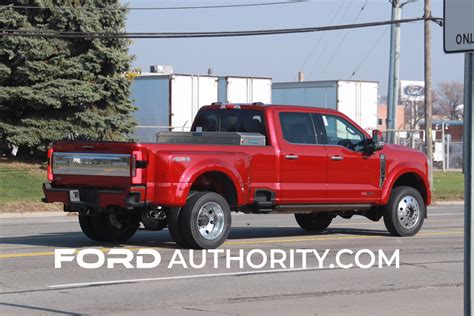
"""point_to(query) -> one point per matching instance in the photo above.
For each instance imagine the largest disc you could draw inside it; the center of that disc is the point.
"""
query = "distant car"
(313, 162)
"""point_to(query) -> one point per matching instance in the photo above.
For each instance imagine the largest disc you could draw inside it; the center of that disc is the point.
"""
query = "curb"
(35, 214)
(445, 203)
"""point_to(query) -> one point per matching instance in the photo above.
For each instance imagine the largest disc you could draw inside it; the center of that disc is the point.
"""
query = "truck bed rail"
(211, 138)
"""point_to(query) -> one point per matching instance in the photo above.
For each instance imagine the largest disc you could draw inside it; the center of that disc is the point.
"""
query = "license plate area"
(74, 196)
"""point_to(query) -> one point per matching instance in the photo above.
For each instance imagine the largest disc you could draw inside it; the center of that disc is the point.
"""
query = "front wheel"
(205, 220)
(405, 212)
(315, 222)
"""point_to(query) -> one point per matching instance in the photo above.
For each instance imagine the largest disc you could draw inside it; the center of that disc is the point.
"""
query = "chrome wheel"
(408, 212)
(211, 221)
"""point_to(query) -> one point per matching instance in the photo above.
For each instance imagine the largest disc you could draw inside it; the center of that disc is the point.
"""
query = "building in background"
(382, 117)
(356, 99)
(454, 130)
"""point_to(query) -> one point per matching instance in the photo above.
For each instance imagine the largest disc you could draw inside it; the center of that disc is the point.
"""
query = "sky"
(321, 56)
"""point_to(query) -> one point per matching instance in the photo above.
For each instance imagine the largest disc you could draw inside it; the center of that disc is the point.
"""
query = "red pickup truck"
(313, 162)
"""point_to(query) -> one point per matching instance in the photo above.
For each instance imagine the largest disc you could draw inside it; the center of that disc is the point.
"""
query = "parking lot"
(428, 281)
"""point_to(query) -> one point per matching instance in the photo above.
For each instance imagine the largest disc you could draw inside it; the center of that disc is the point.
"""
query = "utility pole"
(394, 71)
(428, 105)
(468, 180)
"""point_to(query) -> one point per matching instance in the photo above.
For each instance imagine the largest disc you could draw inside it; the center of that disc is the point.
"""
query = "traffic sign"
(458, 26)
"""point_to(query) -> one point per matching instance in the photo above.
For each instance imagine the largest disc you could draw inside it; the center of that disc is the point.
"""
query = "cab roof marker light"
(230, 107)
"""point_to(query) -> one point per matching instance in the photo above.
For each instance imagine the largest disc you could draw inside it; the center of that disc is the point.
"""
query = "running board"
(312, 208)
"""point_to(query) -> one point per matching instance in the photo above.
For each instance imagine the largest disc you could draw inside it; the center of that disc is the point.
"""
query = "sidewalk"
(35, 214)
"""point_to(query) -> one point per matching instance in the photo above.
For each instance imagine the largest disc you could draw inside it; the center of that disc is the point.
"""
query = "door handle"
(291, 157)
(337, 158)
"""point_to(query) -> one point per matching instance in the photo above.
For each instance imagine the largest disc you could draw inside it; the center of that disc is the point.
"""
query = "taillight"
(50, 164)
(138, 165)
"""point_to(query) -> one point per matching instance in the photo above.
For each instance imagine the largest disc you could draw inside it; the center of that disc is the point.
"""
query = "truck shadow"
(162, 239)
(276, 232)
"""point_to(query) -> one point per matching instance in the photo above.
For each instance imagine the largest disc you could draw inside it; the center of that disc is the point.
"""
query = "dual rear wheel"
(203, 223)
(109, 227)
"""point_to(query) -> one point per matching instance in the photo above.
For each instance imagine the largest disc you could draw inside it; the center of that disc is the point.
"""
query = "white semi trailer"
(356, 99)
(170, 101)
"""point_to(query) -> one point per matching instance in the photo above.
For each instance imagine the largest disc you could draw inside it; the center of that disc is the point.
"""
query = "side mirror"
(377, 140)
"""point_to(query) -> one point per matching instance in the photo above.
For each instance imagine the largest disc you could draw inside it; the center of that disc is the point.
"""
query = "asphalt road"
(429, 280)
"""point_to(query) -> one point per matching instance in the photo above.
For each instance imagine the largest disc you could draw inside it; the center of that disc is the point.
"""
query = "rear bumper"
(91, 198)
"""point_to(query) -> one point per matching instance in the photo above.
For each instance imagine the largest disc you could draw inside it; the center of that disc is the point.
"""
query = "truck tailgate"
(104, 164)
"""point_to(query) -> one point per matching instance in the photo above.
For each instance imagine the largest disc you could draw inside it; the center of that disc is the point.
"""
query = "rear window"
(229, 120)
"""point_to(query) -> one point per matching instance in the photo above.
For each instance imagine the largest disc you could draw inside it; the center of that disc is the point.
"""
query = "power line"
(327, 44)
(217, 6)
(343, 38)
(90, 35)
(369, 52)
(322, 36)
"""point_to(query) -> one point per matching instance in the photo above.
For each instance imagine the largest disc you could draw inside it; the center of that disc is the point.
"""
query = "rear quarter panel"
(173, 169)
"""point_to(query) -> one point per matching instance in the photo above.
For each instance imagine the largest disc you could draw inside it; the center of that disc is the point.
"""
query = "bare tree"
(448, 97)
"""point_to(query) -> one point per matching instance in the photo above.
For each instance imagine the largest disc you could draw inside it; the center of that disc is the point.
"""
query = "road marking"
(27, 254)
(276, 241)
(427, 221)
(183, 277)
(250, 242)
(51, 253)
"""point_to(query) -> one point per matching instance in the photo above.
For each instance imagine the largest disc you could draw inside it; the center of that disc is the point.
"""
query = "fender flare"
(395, 175)
(215, 165)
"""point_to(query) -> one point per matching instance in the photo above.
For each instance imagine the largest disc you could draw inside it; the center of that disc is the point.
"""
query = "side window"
(297, 128)
(342, 133)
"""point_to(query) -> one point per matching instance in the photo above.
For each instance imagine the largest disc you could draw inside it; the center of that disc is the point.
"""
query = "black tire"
(315, 222)
(85, 221)
(110, 227)
(174, 227)
(217, 215)
(395, 222)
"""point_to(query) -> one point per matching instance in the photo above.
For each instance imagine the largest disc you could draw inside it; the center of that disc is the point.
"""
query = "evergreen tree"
(56, 88)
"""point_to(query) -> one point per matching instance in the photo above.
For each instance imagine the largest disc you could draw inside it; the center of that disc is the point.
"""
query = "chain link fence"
(447, 154)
